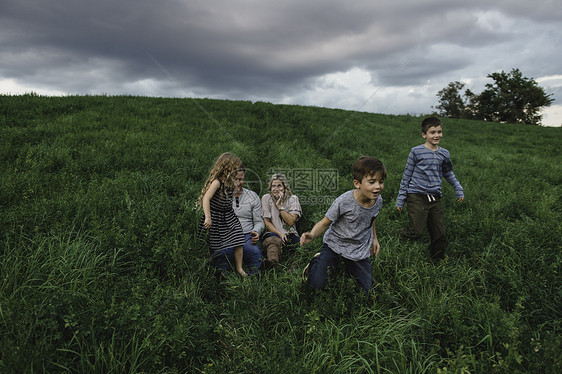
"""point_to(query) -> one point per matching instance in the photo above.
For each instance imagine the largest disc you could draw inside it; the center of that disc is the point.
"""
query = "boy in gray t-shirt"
(350, 225)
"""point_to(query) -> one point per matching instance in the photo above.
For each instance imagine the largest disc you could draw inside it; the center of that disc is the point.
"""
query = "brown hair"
(430, 122)
(287, 190)
(367, 165)
(224, 170)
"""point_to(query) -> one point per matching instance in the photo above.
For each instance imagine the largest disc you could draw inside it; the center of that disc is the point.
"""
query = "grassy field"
(100, 271)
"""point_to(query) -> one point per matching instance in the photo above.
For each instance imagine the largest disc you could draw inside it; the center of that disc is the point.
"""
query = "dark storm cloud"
(221, 44)
(263, 48)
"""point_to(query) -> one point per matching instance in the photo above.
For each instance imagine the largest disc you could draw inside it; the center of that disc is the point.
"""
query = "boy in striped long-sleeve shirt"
(421, 184)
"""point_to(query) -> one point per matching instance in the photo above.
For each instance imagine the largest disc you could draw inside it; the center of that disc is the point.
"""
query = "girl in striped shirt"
(219, 222)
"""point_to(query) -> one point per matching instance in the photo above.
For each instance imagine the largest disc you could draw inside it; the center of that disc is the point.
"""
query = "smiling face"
(368, 190)
(433, 136)
(277, 188)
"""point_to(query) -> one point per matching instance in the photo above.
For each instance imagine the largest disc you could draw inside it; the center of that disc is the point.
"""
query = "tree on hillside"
(452, 103)
(510, 98)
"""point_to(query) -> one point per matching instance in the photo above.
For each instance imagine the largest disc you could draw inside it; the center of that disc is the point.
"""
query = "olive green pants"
(425, 210)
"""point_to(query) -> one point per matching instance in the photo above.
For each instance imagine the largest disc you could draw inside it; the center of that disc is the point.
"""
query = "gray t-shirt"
(351, 231)
(247, 208)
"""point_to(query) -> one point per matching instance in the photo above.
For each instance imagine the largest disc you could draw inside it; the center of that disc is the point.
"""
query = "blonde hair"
(286, 189)
(224, 170)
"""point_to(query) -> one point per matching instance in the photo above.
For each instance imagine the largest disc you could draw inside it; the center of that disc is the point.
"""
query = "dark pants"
(426, 211)
(223, 260)
(329, 261)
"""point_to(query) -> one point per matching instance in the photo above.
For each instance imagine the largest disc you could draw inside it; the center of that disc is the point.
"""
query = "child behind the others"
(219, 221)
(420, 187)
(350, 222)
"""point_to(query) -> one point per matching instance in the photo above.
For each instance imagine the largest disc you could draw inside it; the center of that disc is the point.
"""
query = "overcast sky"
(375, 56)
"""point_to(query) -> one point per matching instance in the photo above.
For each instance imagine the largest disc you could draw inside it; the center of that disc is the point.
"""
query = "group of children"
(350, 234)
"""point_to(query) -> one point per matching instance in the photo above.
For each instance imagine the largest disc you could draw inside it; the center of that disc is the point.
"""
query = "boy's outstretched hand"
(306, 238)
(460, 199)
(318, 229)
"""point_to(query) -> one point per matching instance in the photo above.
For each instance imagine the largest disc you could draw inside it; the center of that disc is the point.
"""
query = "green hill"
(101, 272)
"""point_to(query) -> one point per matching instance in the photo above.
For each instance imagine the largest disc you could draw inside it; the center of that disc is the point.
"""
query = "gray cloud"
(271, 50)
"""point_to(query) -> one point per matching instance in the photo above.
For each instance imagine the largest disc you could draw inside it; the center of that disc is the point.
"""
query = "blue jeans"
(223, 260)
(329, 261)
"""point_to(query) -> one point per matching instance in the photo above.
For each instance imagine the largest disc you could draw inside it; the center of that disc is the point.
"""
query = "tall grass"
(101, 270)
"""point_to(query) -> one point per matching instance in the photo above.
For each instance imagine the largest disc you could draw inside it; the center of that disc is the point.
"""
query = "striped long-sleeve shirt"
(424, 172)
